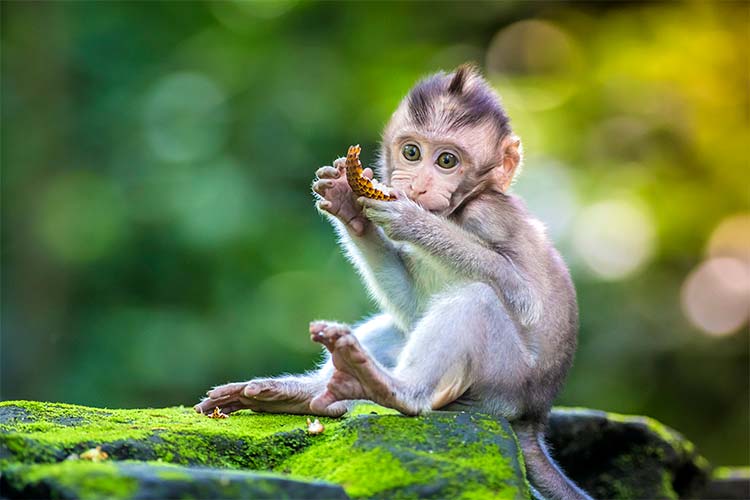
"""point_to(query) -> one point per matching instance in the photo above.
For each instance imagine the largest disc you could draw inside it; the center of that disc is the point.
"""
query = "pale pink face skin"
(423, 180)
(427, 180)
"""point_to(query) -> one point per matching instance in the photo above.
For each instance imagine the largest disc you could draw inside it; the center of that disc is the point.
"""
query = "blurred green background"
(159, 235)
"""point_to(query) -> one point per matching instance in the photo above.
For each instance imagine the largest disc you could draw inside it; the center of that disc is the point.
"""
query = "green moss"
(380, 455)
(661, 430)
(398, 427)
(395, 456)
(367, 408)
(178, 435)
(135, 423)
(84, 480)
(667, 489)
(731, 473)
(173, 475)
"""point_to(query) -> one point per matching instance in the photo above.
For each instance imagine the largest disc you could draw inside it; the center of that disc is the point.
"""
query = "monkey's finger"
(368, 173)
(325, 206)
(239, 406)
(328, 173)
(208, 405)
(204, 407)
(226, 390)
(340, 164)
(322, 185)
(231, 408)
(254, 388)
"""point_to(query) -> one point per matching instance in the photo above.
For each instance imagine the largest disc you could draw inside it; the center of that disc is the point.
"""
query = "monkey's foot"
(265, 395)
(356, 374)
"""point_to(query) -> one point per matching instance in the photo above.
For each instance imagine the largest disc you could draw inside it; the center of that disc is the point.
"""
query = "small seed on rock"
(218, 414)
(315, 427)
(95, 455)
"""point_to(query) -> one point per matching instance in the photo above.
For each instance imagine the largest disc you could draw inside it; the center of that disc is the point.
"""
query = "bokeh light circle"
(215, 205)
(614, 238)
(549, 191)
(81, 217)
(531, 47)
(716, 295)
(538, 59)
(185, 117)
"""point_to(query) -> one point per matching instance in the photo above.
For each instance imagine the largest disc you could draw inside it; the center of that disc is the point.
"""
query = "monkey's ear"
(512, 155)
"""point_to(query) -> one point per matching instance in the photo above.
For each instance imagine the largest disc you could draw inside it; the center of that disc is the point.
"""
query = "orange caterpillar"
(361, 185)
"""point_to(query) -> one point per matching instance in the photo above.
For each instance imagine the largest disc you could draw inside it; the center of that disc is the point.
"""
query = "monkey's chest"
(430, 276)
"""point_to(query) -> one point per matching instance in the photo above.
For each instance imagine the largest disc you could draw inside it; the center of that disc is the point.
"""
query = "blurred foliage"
(159, 234)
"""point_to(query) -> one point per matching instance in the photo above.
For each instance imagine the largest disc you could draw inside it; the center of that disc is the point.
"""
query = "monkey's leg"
(292, 394)
(460, 341)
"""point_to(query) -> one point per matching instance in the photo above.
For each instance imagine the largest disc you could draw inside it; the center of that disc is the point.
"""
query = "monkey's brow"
(438, 139)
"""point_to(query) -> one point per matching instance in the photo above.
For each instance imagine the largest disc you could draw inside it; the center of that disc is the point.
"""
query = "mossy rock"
(626, 457)
(373, 453)
(154, 481)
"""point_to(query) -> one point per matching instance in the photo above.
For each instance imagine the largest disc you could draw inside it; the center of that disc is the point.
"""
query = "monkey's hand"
(335, 197)
(397, 218)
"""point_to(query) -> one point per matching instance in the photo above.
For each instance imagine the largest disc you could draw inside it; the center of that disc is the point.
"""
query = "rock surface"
(154, 480)
(373, 453)
(728, 483)
(619, 456)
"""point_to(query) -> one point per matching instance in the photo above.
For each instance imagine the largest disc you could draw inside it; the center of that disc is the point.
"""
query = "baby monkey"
(479, 311)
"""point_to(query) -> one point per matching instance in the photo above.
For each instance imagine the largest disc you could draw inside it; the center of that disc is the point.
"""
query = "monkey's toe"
(328, 333)
(349, 347)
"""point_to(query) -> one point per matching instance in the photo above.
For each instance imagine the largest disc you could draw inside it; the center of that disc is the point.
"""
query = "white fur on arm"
(378, 261)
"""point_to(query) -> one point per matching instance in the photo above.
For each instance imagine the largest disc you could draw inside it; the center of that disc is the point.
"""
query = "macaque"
(478, 309)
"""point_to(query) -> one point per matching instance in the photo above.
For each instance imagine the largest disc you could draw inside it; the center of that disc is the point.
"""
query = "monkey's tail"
(544, 474)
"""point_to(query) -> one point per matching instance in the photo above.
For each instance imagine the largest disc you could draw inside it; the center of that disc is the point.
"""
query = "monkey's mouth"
(430, 202)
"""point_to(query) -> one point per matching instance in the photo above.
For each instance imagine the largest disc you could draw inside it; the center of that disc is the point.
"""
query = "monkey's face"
(428, 170)
(431, 166)
(449, 139)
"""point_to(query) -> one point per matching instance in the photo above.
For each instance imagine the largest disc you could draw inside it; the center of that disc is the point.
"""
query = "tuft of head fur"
(450, 101)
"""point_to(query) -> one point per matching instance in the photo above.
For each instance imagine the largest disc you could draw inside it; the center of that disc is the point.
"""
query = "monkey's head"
(448, 141)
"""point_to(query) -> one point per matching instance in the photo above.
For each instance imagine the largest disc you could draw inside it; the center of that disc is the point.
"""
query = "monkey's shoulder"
(502, 219)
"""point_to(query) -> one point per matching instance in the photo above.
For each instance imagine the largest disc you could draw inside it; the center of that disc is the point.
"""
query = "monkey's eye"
(411, 152)
(447, 160)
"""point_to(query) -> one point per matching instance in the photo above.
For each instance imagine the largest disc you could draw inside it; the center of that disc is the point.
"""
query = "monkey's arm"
(458, 249)
(375, 256)
(379, 262)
